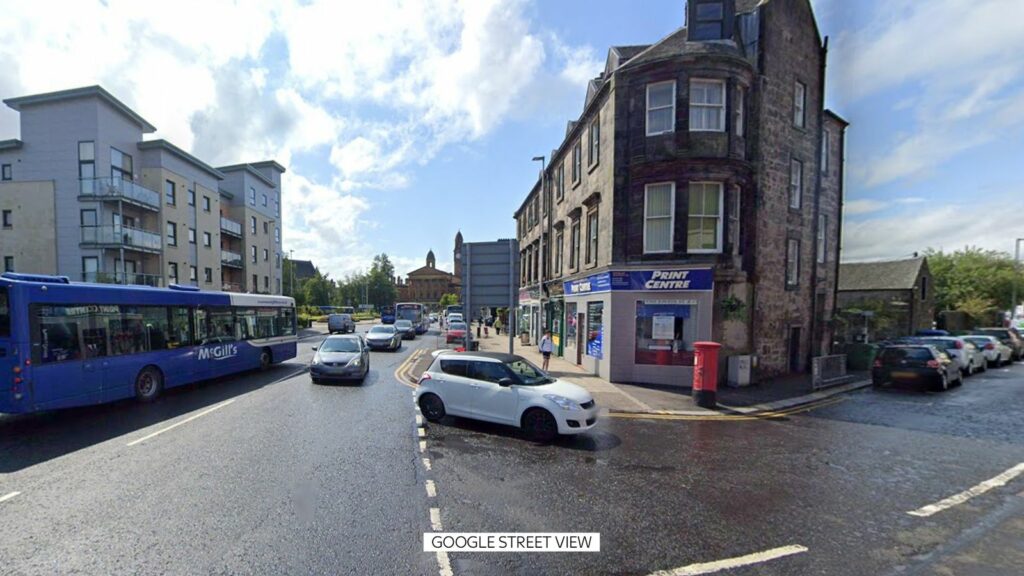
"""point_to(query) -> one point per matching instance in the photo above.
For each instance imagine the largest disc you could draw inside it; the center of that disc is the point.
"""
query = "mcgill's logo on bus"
(222, 352)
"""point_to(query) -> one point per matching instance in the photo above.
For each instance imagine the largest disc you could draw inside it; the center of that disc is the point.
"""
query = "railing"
(231, 258)
(119, 278)
(118, 189)
(231, 287)
(828, 371)
(122, 236)
(230, 226)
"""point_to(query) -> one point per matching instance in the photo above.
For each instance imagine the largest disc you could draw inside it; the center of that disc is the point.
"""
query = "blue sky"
(402, 122)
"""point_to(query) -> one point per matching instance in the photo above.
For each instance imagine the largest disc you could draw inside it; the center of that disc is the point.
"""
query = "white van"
(340, 323)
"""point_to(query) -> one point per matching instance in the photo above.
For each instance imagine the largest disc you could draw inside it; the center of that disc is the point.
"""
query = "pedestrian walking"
(497, 327)
(546, 348)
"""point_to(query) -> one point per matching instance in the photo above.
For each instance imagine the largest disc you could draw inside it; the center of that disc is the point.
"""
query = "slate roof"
(303, 269)
(887, 275)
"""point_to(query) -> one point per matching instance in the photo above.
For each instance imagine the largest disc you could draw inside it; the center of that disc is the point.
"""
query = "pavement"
(766, 398)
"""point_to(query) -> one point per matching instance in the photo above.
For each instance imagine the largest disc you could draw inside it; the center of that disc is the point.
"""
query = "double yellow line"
(404, 371)
(732, 417)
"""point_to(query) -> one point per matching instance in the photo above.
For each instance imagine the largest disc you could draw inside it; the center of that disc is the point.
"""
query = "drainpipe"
(817, 204)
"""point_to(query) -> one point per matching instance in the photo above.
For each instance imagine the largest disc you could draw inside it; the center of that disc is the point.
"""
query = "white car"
(453, 317)
(966, 355)
(996, 353)
(505, 389)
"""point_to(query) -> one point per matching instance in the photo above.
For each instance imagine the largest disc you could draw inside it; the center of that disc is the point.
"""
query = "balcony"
(231, 287)
(232, 259)
(119, 278)
(231, 227)
(116, 189)
(121, 237)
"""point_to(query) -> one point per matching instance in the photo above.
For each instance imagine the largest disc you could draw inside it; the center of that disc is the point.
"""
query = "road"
(285, 477)
(265, 473)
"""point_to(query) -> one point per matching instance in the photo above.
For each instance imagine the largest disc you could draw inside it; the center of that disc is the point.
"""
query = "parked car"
(456, 332)
(384, 337)
(915, 364)
(505, 389)
(340, 358)
(966, 355)
(342, 323)
(406, 329)
(1008, 336)
(996, 353)
(931, 332)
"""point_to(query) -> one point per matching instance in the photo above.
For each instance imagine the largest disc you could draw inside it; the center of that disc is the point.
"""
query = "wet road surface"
(839, 481)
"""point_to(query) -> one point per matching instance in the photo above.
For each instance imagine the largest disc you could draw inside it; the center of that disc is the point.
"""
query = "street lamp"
(1016, 279)
(291, 264)
(543, 262)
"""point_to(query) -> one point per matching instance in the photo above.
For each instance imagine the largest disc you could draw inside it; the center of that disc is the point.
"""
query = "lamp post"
(1016, 279)
(291, 264)
(544, 218)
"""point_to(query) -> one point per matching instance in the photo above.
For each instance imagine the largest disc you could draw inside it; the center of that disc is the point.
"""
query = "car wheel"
(148, 384)
(264, 359)
(944, 382)
(876, 383)
(540, 425)
(432, 407)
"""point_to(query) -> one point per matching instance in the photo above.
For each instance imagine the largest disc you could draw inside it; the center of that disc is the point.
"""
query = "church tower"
(431, 261)
(458, 256)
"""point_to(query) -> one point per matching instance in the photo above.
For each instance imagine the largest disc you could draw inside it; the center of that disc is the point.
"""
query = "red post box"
(705, 374)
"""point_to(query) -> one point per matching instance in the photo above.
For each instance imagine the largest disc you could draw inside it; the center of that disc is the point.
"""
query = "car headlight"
(355, 361)
(563, 402)
(316, 360)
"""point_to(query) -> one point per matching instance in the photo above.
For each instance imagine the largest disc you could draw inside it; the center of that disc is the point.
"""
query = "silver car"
(340, 358)
(384, 337)
(965, 354)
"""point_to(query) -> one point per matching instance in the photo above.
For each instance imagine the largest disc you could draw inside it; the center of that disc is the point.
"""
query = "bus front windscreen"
(5, 314)
(411, 313)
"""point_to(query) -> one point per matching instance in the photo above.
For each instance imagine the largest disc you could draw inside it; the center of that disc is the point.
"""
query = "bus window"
(155, 327)
(181, 327)
(222, 324)
(127, 333)
(5, 314)
(202, 328)
(286, 317)
(55, 334)
(266, 323)
(246, 318)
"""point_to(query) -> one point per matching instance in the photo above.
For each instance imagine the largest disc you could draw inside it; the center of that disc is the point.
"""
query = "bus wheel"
(148, 384)
(264, 359)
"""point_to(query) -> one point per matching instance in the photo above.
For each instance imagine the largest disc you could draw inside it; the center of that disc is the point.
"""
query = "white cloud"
(945, 226)
(373, 87)
(855, 207)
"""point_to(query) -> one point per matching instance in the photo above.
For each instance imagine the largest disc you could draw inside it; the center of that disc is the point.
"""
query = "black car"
(915, 364)
(406, 329)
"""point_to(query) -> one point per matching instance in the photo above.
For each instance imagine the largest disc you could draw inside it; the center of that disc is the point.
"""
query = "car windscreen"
(403, 324)
(5, 314)
(382, 330)
(340, 345)
(892, 355)
(981, 342)
(528, 374)
(458, 326)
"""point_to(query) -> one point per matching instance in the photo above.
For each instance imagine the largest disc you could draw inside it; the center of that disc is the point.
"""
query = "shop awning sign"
(690, 280)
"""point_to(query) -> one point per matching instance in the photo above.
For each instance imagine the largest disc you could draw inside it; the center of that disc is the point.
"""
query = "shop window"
(665, 333)
(595, 329)
(570, 324)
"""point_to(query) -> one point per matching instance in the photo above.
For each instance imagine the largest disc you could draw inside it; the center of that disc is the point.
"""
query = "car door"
(491, 400)
(455, 388)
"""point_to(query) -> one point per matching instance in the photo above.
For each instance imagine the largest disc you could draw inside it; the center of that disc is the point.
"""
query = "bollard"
(705, 374)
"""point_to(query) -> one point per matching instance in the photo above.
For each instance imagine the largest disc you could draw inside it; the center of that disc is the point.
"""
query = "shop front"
(639, 325)
(528, 315)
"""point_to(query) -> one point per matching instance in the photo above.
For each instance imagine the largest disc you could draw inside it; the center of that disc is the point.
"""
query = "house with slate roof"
(879, 300)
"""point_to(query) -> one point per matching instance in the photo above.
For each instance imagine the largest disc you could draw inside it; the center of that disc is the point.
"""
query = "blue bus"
(415, 313)
(387, 314)
(65, 344)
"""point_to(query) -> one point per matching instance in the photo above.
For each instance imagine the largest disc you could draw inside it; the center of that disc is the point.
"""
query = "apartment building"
(83, 195)
(697, 197)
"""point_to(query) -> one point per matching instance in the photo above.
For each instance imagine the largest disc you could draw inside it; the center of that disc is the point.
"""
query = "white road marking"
(426, 463)
(431, 489)
(185, 421)
(419, 421)
(445, 567)
(421, 432)
(719, 565)
(7, 497)
(423, 445)
(435, 520)
(966, 495)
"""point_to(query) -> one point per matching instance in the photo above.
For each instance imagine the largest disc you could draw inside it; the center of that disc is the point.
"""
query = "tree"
(448, 300)
(319, 290)
(381, 282)
(973, 280)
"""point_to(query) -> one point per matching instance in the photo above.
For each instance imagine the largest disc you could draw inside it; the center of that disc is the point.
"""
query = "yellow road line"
(731, 417)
